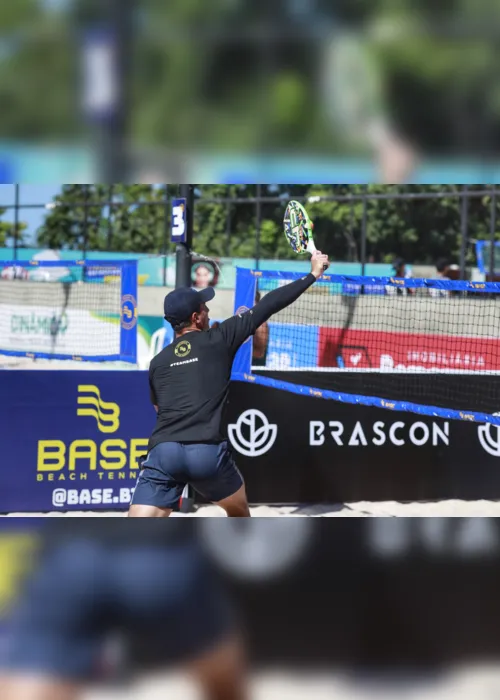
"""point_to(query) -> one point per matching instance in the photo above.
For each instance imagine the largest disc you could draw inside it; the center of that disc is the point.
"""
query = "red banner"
(365, 349)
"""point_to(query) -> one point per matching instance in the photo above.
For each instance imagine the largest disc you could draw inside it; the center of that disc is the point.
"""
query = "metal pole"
(228, 231)
(112, 127)
(258, 217)
(493, 225)
(85, 230)
(183, 253)
(16, 221)
(85, 223)
(464, 229)
(110, 219)
(166, 231)
(363, 235)
(183, 279)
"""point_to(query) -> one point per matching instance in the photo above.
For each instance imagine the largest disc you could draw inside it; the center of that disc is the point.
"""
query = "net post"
(184, 244)
(16, 221)
(363, 239)
(183, 279)
(464, 211)
(493, 225)
(128, 312)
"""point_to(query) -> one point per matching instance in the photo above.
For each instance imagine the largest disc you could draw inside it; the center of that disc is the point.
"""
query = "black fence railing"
(239, 231)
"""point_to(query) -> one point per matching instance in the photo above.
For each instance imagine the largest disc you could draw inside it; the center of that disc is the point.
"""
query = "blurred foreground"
(403, 608)
(162, 92)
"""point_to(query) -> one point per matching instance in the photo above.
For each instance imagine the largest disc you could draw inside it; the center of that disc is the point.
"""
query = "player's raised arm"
(240, 327)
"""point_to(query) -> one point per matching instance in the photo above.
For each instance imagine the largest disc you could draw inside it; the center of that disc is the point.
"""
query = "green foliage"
(420, 230)
(8, 231)
(196, 77)
(75, 225)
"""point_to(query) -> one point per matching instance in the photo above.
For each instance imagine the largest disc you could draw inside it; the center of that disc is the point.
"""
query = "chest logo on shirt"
(183, 348)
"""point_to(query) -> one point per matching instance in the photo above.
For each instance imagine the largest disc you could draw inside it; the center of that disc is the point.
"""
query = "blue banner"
(71, 439)
(283, 352)
(128, 321)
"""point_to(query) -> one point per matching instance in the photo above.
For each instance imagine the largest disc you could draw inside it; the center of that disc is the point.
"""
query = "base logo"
(91, 497)
(252, 435)
(129, 312)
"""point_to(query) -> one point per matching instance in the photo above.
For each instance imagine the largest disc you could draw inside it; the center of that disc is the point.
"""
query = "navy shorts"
(166, 606)
(209, 469)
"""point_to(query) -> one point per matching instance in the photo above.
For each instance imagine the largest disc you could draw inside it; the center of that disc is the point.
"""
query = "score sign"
(179, 220)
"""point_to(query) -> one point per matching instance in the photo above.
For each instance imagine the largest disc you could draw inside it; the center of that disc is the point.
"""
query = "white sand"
(363, 509)
(459, 684)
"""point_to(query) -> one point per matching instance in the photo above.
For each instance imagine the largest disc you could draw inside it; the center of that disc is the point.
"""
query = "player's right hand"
(319, 263)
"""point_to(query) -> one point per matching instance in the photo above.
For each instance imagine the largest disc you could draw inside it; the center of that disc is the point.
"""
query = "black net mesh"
(378, 339)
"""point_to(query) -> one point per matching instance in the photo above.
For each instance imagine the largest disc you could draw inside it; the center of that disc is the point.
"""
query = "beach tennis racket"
(298, 229)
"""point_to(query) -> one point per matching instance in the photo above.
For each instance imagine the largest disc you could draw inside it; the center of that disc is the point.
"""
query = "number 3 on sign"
(179, 221)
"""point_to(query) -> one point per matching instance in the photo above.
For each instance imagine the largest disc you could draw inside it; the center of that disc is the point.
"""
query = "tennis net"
(78, 310)
(370, 340)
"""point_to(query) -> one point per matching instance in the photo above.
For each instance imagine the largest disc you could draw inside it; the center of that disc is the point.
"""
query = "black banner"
(377, 592)
(380, 592)
(301, 449)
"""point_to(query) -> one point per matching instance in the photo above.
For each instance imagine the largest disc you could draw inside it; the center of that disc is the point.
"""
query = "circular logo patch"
(183, 348)
(129, 312)
(242, 310)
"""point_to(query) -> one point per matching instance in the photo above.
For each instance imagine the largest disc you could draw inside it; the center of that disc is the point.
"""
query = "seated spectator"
(400, 271)
(442, 268)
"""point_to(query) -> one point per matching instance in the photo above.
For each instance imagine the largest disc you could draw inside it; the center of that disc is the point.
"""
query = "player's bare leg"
(33, 687)
(138, 511)
(236, 506)
(221, 673)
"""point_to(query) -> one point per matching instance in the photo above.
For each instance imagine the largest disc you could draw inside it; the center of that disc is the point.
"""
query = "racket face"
(298, 228)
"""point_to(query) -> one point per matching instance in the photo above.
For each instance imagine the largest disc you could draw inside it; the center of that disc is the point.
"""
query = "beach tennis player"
(189, 383)
(109, 604)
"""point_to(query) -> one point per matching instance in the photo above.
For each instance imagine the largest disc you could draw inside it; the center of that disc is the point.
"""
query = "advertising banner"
(71, 332)
(70, 439)
(365, 349)
(300, 449)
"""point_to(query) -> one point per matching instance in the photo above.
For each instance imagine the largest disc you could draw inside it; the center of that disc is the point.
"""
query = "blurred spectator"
(204, 274)
(442, 268)
(260, 342)
(16, 272)
(202, 277)
(400, 272)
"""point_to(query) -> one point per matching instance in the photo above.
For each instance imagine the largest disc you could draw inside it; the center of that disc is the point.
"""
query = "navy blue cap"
(182, 303)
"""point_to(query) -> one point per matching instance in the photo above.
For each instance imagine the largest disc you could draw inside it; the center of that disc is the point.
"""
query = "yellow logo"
(106, 413)
(129, 312)
(16, 555)
(466, 416)
(183, 348)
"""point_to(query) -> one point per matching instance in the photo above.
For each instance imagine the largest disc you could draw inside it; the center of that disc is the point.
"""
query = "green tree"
(420, 230)
(8, 231)
(80, 219)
